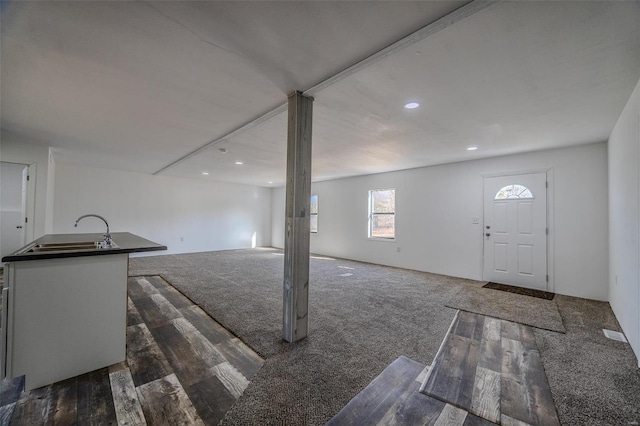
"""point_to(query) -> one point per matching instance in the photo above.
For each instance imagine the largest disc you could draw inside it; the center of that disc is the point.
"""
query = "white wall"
(624, 220)
(15, 149)
(435, 205)
(186, 215)
(278, 204)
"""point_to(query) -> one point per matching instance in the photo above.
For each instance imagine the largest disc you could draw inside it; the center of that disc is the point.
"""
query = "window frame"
(371, 214)
(311, 214)
(525, 189)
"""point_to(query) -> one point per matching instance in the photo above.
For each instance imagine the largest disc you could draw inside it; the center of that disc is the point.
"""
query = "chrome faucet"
(108, 242)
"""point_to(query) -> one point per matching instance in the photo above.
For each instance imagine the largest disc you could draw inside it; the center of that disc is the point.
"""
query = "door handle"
(488, 234)
(19, 227)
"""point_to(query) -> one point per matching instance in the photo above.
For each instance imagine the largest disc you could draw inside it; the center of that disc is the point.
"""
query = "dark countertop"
(126, 242)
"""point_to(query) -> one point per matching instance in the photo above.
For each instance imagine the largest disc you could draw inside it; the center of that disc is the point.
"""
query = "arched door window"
(514, 191)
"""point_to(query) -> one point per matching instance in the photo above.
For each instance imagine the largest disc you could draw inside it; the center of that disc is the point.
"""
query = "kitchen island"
(65, 306)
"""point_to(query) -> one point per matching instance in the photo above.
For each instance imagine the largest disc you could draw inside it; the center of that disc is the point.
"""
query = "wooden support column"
(296, 245)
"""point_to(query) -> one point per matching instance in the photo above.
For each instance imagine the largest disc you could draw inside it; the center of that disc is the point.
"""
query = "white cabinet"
(64, 317)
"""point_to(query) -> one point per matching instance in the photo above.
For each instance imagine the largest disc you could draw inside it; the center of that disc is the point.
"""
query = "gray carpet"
(533, 311)
(594, 380)
(360, 323)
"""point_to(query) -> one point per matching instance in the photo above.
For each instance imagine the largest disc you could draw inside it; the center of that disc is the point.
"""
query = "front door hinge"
(26, 220)
(546, 184)
(547, 231)
(27, 178)
(547, 278)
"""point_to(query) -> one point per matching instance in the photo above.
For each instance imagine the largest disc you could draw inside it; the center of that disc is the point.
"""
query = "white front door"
(515, 230)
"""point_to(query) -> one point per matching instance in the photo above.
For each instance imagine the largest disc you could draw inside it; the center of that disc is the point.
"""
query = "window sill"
(386, 240)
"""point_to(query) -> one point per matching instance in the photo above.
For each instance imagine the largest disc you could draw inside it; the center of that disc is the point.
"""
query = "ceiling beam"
(458, 15)
(446, 21)
(244, 127)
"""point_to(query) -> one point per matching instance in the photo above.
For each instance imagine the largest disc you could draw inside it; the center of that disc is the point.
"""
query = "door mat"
(521, 290)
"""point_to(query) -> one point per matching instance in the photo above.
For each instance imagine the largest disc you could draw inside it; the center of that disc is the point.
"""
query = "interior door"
(515, 230)
(14, 193)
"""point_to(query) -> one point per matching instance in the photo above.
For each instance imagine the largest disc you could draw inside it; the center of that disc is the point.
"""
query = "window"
(382, 212)
(313, 214)
(514, 191)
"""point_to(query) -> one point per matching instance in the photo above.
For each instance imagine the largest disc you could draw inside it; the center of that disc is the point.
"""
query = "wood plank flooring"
(393, 398)
(10, 390)
(181, 368)
(492, 368)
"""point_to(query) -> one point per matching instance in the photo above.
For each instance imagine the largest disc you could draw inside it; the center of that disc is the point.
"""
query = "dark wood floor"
(492, 368)
(181, 368)
(393, 398)
(487, 371)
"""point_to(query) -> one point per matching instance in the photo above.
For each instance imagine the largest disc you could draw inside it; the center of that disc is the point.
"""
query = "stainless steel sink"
(69, 244)
(66, 246)
(88, 245)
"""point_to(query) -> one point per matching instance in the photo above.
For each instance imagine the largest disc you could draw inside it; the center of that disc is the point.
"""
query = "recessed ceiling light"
(472, 148)
(412, 105)
(239, 163)
(223, 150)
(270, 182)
(205, 173)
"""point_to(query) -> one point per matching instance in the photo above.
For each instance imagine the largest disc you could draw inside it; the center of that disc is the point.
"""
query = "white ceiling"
(138, 85)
